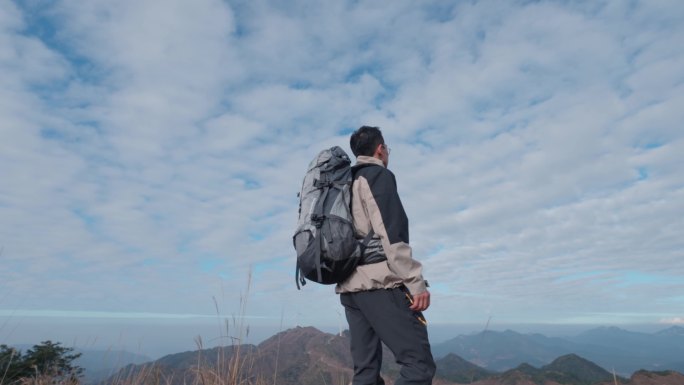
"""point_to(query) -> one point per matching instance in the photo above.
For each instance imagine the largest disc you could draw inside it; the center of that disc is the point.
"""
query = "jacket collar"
(367, 160)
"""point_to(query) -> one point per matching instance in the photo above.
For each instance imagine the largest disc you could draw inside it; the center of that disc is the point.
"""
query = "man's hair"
(365, 140)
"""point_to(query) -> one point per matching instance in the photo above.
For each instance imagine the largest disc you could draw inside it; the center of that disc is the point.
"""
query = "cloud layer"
(151, 152)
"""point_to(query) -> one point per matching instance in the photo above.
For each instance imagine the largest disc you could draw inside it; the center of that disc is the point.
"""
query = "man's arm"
(390, 222)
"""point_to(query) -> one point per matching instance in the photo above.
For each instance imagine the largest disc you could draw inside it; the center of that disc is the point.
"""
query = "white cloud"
(673, 321)
(156, 148)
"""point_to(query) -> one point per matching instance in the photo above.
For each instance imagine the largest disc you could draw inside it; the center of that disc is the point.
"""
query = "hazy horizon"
(155, 338)
(151, 152)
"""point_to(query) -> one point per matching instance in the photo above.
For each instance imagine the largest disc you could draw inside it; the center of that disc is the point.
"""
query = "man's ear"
(378, 151)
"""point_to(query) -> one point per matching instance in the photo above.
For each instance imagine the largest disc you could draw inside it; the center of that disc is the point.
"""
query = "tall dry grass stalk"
(45, 380)
(233, 364)
(9, 363)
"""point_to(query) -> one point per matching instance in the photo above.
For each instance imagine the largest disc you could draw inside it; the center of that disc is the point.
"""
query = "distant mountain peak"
(571, 359)
(527, 369)
(296, 333)
(672, 331)
(578, 367)
(603, 329)
(609, 332)
(455, 368)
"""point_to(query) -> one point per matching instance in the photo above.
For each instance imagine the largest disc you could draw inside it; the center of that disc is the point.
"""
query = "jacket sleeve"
(390, 222)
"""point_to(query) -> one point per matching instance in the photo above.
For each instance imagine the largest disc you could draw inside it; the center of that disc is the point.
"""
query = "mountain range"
(100, 364)
(307, 356)
(610, 347)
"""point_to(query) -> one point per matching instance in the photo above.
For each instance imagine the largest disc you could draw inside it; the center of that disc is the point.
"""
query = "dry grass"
(210, 371)
(231, 365)
(45, 380)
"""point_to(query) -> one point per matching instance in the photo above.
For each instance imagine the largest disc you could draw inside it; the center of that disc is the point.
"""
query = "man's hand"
(421, 301)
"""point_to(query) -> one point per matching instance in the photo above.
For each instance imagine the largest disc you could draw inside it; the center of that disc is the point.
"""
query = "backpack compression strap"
(317, 217)
(299, 279)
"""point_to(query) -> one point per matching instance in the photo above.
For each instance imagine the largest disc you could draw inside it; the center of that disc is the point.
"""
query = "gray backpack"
(327, 249)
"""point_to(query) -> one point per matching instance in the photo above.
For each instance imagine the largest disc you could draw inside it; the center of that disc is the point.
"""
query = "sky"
(151, 153)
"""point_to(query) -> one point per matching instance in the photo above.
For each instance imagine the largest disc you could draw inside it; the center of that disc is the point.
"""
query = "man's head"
(368, 141)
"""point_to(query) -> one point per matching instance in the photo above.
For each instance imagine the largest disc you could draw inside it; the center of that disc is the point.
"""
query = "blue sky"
(152, 150)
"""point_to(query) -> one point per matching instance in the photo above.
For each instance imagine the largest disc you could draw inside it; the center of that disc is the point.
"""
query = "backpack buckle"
(317, 220)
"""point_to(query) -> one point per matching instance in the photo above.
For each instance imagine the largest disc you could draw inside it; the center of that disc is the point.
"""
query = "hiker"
(385, 295)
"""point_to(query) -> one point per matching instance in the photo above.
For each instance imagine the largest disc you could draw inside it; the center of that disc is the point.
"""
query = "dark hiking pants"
(384, 316)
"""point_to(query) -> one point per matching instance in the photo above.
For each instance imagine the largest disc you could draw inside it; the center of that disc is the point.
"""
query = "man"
(384, 297)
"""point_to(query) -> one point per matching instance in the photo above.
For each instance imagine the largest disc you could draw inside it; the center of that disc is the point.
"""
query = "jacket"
(375, 204)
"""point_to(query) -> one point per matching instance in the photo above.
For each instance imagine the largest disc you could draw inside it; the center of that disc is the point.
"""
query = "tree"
(47, 359)
(12, 365)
